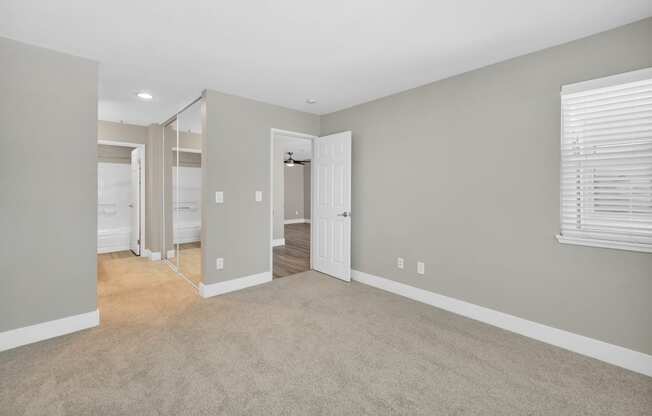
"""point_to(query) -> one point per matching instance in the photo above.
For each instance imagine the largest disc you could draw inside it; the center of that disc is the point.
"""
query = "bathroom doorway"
(120, 198)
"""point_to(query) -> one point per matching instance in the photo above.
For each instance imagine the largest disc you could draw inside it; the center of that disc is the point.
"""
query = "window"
(606, 162)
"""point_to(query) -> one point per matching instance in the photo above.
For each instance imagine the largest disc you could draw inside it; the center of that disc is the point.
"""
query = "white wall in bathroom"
(113, 212)
(187, 204)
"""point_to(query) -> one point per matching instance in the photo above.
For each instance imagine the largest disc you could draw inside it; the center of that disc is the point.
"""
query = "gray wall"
(113, 154)
(190, 160)
(236, 134)
(464, 175)
(293, 194)
(121, 132)
(282, 144)
(48, 114)
(154, 188)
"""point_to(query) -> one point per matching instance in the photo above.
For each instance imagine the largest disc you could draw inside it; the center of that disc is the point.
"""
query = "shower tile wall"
(113, 212)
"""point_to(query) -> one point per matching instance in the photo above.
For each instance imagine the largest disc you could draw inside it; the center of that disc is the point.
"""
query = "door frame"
(274, 132)
(143, 185)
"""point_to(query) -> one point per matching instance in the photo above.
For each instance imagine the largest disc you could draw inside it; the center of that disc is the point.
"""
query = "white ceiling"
(339, 52)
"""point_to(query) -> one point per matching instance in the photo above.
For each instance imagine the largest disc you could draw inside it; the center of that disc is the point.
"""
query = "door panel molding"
(331, 188)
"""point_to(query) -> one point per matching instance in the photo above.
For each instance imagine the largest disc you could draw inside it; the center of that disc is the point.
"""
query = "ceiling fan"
(291, 162)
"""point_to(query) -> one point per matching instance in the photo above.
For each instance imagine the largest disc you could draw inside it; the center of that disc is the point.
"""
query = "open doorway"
(120, 199)
(324, 244)
(292, 202)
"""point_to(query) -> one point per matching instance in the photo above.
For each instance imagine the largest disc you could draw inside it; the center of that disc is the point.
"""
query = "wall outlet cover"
(421, 268)
(219, 263)
(400, 263)
(219, 197)
(259, 196)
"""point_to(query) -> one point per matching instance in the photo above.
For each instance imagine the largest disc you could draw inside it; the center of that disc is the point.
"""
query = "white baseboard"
(171, 254)
(296, 221)
(214, 289)
(278, 242)
(46, 330)
(612, 354)
(153, 256)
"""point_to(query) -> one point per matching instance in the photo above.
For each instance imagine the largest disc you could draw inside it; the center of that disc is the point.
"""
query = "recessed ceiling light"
(144, 95)
(311, 101)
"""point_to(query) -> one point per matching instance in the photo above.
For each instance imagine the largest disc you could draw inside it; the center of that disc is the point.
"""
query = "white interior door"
(134, 201)
(331, 217)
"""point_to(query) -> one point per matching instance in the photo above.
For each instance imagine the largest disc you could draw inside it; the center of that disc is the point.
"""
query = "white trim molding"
(152, 255)
(297, 221)
(618, 245)
(171, 254)
(46, 330)
(600, 350)
(278, 242)
(220, 288)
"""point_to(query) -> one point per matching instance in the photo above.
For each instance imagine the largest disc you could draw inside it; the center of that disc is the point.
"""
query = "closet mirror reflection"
(170, 139)
(186, 193)
(182, 151)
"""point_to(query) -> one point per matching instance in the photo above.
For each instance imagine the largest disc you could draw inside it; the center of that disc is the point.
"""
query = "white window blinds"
(606, 162)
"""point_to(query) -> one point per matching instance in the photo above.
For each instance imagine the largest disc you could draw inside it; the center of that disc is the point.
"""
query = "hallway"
(294, 256)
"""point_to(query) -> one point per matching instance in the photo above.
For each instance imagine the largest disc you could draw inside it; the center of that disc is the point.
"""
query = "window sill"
(605, 244)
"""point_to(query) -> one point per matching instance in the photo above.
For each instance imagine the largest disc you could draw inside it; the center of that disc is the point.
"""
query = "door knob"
(344, 214)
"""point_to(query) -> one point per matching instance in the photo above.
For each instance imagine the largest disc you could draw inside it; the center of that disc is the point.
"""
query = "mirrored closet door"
(187, 179)
(182, 200)
(170, 165)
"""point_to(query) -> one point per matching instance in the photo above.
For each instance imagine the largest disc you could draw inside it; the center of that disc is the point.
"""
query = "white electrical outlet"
(400, 263)
(296, 212)
(259, 196)
(219, 263)
(219, 197)
(421, 268)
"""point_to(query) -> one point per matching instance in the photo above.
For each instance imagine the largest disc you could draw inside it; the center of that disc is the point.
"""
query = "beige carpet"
(301, 345)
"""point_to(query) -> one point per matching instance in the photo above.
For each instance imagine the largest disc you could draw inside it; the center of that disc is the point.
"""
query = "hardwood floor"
(294, 256)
